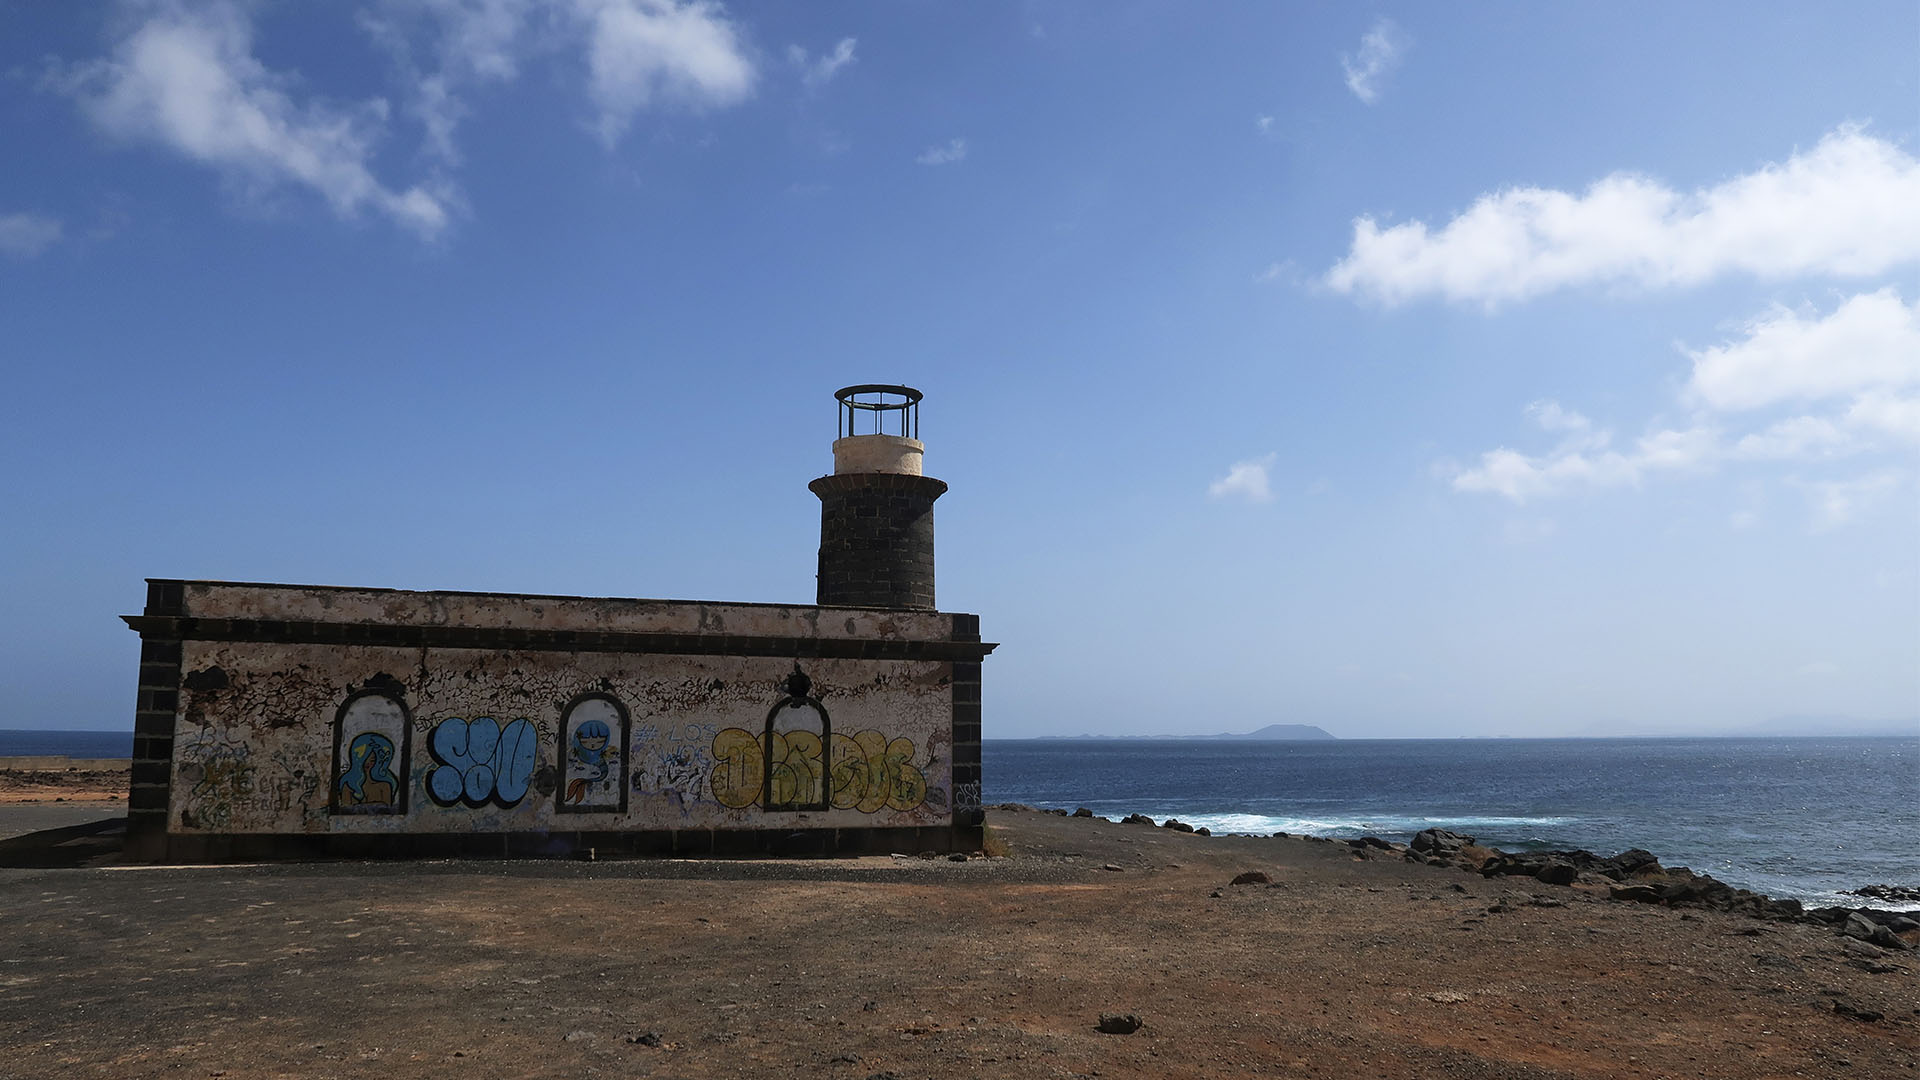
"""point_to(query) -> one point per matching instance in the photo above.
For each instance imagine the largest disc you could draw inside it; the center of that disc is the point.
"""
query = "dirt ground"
(76, 785)
(870, 969)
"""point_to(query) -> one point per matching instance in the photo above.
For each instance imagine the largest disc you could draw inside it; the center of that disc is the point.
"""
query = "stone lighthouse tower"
(876, 510)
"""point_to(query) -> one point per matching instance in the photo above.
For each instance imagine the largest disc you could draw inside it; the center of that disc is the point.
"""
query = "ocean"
(79, 744)
(1799, 818)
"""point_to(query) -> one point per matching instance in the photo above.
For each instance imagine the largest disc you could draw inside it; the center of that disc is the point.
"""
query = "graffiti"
(482, 761)
(369, 754)
(293, 787)
(593, 755)
(866, 771)
(966, 796)
(870, 771)
(737, 768)
(222, 778)
(795, 770)
(677, 770)
(368, 778)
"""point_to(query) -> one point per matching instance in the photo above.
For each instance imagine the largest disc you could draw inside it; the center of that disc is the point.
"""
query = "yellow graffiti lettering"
(864, 771)
(737, 768)
(796, 768)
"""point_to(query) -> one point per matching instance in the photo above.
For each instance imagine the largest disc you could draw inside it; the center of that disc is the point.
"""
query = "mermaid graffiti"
(593, 756)
(367, 781)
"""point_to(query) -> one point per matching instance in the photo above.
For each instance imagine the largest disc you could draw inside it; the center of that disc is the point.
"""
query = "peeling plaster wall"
(282, 725)
(255, 748)
(388, 607)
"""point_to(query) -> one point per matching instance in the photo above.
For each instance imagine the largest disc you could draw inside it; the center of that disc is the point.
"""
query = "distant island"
(1270, 733)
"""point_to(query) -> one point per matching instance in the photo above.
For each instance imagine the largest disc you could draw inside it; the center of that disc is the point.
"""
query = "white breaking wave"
(1264, 824)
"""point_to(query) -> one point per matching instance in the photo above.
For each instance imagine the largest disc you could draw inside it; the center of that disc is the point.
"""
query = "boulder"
(1137, 819)
(1439, 841)
(1118, 1023)
(1557, 872)
(1859, 926)
(1083, 812)
(1252, 877)
(1643, 894)
(1176, 825)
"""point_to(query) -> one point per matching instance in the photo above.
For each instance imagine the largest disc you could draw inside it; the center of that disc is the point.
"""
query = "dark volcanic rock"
(1557, 873)
(1137, 819)
(1118, 1023)
(1083, 812)
(1858, 925)
(1439, 841)
(1252, 877)
(1176, 825)
(1897, 893)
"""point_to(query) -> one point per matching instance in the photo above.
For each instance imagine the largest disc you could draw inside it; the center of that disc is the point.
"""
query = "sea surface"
(79, 744)
(1800, 818)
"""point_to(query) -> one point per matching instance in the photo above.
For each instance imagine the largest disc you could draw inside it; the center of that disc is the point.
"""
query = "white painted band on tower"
(878, 454)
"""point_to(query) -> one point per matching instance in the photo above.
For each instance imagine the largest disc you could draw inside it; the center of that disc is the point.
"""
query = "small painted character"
(368, 780)
(589, 751)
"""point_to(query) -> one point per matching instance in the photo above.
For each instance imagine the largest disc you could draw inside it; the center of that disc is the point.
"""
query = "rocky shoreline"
(1632, 876)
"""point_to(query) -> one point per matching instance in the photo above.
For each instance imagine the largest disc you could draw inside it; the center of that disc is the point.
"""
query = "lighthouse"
(876, 510)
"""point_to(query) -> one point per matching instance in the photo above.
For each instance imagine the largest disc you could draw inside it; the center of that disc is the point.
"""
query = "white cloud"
(1839, 502)
(817, 73)
(25, 235)
(1380, 52)
(1871, 341)
(1850, 207)
(639, 51)
(188, 80)
(1245, 480)
(1867, 353)
(1263, 124)
(474, 42)
(1795, 439)
(1886, 413)
(1551, 417)
(954, 150)
(1585, 463)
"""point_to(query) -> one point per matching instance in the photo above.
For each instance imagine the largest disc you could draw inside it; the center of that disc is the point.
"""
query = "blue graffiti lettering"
(481, 761)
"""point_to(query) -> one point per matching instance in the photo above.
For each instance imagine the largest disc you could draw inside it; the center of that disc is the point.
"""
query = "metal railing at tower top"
(878, 400)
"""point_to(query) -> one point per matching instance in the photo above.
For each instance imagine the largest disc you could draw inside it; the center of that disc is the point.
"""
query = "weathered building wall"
(286, 719)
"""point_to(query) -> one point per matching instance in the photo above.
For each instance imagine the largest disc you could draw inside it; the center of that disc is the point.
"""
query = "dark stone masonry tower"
(876, 510)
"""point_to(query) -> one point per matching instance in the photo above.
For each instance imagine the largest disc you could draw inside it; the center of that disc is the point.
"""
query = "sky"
(1407, 370)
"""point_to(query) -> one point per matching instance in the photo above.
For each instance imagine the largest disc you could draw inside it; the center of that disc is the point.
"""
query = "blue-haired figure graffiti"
(369, 754)
(593, 732)
(368, 780)
(589, 751)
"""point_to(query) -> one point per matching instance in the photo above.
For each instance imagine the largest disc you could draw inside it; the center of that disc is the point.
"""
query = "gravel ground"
(1342, 966)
